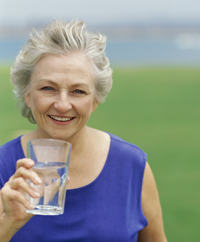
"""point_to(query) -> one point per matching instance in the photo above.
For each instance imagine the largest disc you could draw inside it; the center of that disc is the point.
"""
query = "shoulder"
(10, 147)
(9, 154)
(124, 144)
(127, 150)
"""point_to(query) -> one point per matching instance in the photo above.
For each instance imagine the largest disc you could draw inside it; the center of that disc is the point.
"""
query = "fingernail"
(68, 179)
(30, 162)
(38, 180)
(36, 194)
(30, 206)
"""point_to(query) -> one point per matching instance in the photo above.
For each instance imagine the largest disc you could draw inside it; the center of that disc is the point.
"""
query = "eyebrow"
(54, 83)
(80, 84)
(46, 80)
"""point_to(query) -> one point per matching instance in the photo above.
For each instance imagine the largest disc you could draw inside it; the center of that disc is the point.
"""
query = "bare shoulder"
(154, 232)
(99, 137)
(1, 205)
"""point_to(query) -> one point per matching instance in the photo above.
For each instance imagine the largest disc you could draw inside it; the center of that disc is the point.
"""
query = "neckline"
(99, 175)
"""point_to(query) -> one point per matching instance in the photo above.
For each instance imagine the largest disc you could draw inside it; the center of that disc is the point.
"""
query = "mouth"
(60, 119)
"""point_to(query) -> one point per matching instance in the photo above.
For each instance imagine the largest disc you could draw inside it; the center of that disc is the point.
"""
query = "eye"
(77, 91)
(47, 88)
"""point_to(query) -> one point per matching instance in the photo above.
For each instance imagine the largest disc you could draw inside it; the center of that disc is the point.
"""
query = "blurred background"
(140, 32)
(154, 50)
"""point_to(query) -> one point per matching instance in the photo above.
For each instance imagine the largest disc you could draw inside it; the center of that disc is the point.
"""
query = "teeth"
(60, 119)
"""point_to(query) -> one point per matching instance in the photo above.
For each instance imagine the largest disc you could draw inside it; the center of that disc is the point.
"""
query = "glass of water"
(51, 159)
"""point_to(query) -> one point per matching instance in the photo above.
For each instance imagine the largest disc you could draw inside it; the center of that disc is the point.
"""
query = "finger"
(10, 195)
(27, 163)
(68, 179)
(21, 185)
(27, 174)
(54, 188)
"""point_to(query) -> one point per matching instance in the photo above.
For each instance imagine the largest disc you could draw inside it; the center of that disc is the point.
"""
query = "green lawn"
(157, 109)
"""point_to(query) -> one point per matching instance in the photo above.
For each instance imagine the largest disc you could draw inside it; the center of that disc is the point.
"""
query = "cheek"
(84, 107)
(40, 104)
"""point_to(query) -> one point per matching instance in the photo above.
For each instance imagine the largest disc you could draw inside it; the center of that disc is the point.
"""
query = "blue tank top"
(108, 209)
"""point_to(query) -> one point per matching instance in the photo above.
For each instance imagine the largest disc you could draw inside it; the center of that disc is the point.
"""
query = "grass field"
(159, 110)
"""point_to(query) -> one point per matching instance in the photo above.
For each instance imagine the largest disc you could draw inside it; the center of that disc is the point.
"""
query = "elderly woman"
(60, 76)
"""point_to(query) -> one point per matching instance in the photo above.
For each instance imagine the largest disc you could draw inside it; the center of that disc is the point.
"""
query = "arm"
(154, 232)
(13, 201)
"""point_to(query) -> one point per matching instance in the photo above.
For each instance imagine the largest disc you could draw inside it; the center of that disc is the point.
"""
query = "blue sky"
(99, 11)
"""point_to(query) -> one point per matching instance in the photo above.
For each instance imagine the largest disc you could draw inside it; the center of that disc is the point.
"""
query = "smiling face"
(61, 96)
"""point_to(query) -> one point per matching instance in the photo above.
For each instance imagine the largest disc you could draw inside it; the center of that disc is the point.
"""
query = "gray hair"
(60, 38)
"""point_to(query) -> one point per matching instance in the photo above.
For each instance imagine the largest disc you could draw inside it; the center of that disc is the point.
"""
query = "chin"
(59, 136)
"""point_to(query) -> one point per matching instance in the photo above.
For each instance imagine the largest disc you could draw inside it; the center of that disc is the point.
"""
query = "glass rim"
(66, 143)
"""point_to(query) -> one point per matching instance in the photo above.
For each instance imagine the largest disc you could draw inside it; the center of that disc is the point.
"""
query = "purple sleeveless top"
(107, 210)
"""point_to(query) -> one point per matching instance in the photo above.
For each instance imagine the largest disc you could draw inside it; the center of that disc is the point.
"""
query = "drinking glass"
(51, 159)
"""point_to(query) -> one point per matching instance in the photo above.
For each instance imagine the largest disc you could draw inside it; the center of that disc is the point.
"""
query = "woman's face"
(61, 96)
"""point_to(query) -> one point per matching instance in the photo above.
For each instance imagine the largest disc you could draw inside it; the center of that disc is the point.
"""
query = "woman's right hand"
(13, 202)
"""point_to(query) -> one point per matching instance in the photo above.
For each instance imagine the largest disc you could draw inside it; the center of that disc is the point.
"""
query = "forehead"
(74, 63)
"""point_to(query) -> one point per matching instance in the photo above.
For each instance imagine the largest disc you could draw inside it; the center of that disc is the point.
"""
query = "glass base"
(46, 210)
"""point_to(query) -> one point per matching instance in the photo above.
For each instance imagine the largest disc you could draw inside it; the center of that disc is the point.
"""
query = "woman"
(60, 76)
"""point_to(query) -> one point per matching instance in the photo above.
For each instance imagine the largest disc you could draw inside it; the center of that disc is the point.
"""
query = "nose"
(63, 103)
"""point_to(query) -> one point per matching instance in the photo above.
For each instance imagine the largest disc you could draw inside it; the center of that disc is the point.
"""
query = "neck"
(81, 145)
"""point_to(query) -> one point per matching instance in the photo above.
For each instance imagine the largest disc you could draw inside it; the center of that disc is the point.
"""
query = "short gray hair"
(60, 38)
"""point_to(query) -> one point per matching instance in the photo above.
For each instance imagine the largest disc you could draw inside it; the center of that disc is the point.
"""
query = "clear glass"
(51, 159)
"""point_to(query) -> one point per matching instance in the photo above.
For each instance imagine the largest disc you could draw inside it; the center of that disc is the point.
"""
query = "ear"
(94, 106)
(27, 100)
